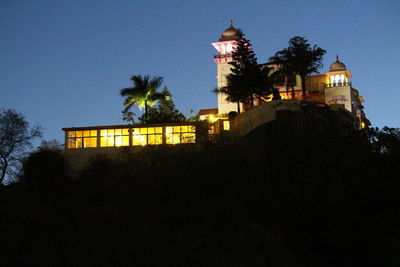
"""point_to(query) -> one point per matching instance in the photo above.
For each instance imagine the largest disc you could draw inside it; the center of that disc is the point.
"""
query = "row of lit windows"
(336, 79)
(139, 136)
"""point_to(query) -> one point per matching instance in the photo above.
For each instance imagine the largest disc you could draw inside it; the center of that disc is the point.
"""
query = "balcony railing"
(223, 55)
(329, 85)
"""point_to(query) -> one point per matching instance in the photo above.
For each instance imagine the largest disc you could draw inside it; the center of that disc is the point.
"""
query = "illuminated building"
(129, 135)
(333, 87)
(83, 143)
(224, 46)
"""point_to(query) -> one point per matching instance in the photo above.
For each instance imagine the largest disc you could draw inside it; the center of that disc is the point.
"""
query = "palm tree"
(143, 93)
(299, 59)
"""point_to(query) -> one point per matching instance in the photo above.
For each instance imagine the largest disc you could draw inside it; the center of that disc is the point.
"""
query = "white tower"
(224, 46)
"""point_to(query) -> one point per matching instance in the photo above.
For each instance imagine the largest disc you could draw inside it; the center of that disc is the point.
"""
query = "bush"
(44, 172)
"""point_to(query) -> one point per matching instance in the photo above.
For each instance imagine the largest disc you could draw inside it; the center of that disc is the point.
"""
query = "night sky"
(62, 63)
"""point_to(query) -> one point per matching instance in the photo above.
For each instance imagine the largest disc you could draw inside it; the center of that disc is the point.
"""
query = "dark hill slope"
(299, 191)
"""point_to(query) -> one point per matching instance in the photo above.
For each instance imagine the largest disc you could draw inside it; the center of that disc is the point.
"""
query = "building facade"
(134, 135)
(333, 87)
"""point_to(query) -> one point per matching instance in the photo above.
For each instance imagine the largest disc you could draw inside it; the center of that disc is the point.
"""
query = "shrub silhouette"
(300, 191)
(44, 172)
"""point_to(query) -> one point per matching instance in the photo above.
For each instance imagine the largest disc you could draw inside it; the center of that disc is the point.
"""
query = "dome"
(230, 34)
(337, 65)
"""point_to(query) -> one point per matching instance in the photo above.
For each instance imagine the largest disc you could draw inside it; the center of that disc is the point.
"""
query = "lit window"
(180, 134)
(226, 125)
(82, 139)
(154, 136)
(337, 79)
(114, 137)
(188, 138)
(154, 139)
(139, 136)
(90, 142)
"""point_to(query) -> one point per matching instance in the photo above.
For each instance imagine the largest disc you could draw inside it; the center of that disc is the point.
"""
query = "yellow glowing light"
(211, 118)
(226, 125)
(168, 129)
(118, 141)
(139, 136)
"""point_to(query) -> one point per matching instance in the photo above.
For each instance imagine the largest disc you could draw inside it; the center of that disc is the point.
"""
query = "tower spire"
(337, 57)
(231, 22)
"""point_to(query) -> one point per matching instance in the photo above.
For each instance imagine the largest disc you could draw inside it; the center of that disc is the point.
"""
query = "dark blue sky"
(62, 63)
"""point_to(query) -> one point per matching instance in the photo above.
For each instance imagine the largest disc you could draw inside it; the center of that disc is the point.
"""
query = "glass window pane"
(135, 130)
(78, 133)
(118, 131)
(226, 125)
(168, 129)
(79, 142)
(173, 139)
(125, 141)
(188, 138)
(155, 139)
(159, 139)
(176, 138)
(118, 140)
(125, 131)
(150, 130)
(192, 128)
(71, 134)
(110, 141)
(168, 138)
(71, 143)
(103, 133)
(177, 129)
(139, 140)
(151, 139)
(184, 128)
(89, 142)
(110, 132)
(143, 130)
(86, 133)
(103, 141)
(93, 133)
(93, 141)
(158, 129)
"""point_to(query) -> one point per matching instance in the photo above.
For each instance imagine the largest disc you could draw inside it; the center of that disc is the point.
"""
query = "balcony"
(223, 55)
(330, 85)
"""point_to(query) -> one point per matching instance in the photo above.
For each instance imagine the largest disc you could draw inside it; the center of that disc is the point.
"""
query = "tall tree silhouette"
(143, 93)
(300, 58)
(15, 139)
(247, 78)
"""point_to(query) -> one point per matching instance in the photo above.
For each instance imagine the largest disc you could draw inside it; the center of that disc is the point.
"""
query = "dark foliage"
(385, 140)
(299, 191)
(164, 111)
(299, 58)
(15, 139)
(248, 79)
(43, 173)
(143, 93)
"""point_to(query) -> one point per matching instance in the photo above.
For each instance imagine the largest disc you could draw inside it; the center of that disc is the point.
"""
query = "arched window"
(332, 80)
(337, 79)
(342, 79)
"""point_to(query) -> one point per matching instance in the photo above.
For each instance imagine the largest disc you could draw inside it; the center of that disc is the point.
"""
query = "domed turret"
(230, 34)
(337, 65)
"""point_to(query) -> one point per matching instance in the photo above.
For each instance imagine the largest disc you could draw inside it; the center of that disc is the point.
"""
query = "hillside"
(299, 191)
